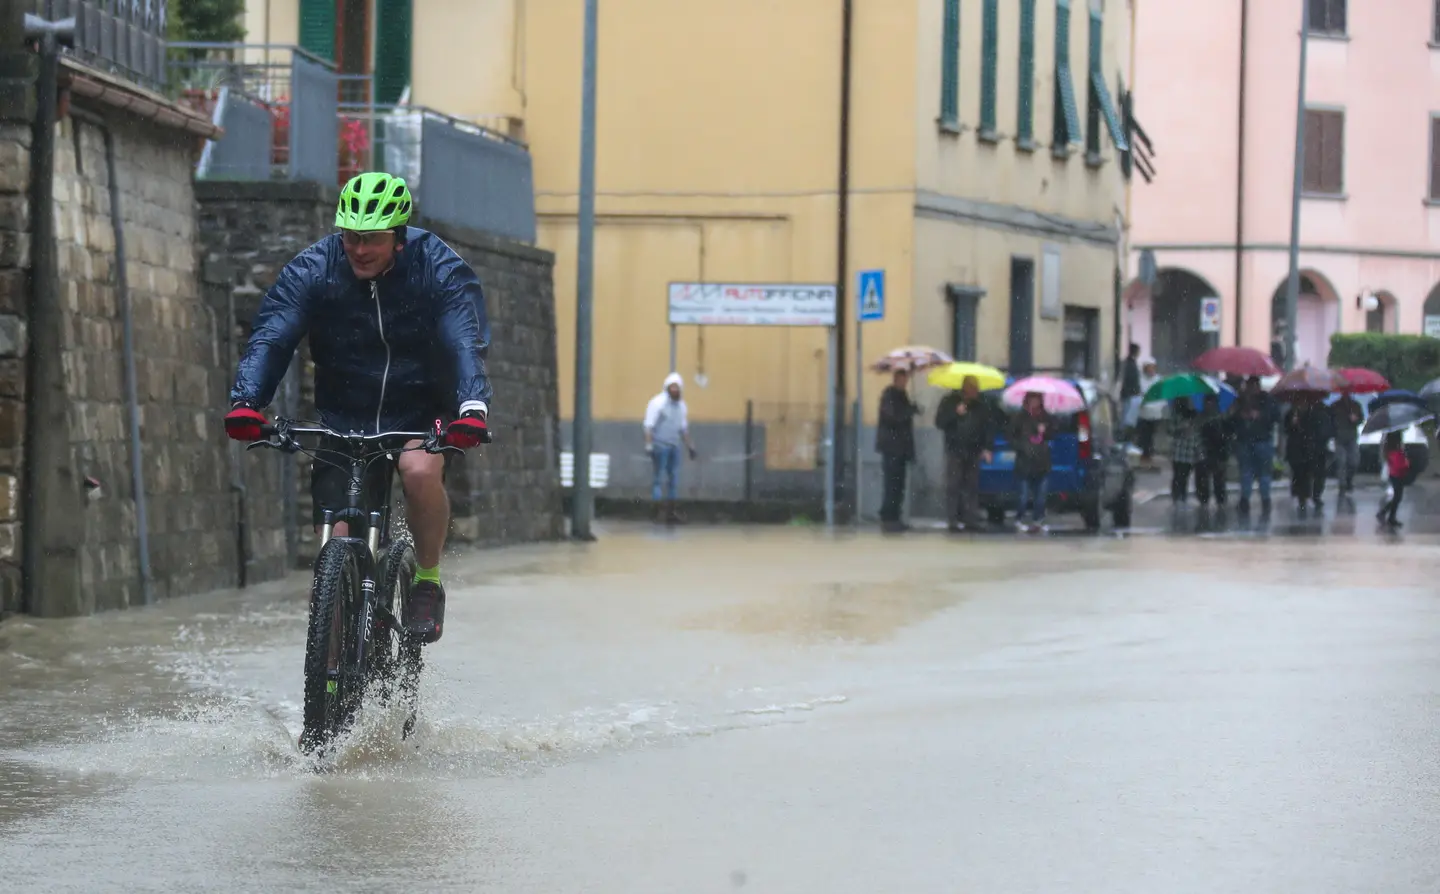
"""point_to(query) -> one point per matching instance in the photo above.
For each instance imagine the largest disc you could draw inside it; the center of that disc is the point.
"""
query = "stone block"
(14, 291)
(12, 424)
(9, 497)
(14, 249)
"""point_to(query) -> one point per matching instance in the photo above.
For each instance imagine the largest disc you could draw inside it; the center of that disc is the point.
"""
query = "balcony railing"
(460, 171)
(123, 37)
(300, 92)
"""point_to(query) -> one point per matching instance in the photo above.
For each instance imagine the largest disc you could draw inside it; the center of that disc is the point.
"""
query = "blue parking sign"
(872, 295)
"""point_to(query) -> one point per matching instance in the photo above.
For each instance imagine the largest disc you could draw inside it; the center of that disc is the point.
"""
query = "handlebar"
(282, 436)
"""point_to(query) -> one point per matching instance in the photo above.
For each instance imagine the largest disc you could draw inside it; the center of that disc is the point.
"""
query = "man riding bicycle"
(399, 335)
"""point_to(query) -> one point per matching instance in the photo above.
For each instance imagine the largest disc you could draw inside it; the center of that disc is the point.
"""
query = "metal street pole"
(832, 407)
(582, 506)
(1292, 288)
(859, 409)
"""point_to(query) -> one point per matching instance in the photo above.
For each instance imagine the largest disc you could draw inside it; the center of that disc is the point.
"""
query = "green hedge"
(1408, 361)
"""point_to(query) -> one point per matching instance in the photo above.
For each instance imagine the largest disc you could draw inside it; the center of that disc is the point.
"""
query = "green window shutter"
(1025, 125)
(990, 52)
(392, 49)
(1102, 103)
(1067, 112)
(950, 65)
(317, 27)
(1092, 101)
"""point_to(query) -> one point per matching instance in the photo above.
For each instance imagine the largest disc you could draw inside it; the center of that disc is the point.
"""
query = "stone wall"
(15, 140)
(510, 492)
(176, 359)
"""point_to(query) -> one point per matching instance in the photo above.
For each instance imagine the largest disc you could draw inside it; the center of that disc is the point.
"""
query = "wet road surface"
(773, 709)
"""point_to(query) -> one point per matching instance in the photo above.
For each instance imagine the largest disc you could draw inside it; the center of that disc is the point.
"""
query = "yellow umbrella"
(952, 376)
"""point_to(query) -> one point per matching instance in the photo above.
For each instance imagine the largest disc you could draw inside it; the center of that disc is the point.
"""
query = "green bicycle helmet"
(373, 201)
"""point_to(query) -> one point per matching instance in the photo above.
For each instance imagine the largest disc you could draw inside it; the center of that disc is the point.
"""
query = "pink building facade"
(1219, 80)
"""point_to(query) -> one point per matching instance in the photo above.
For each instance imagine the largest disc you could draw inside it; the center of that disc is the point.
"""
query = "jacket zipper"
(385, 376)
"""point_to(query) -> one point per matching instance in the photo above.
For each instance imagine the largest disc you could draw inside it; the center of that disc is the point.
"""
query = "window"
(1067, 113)
(317, 27)
(1435, 158)
(392, 50)
(1324, 152)
(950, 66)
(1025, 105)
(1435, 24)
(964, 304)
(990, 61)
(1099, 104)
(1327, 16)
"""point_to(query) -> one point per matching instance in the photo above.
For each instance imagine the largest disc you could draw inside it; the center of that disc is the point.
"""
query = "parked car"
(1090, 474)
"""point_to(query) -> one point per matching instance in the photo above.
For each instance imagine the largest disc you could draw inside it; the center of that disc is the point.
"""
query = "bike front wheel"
(395, 658)
(332, 689)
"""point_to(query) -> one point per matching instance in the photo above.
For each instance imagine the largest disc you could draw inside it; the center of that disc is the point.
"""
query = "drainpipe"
(45, 543)
(842, 236)
(1240, 176)
(132, 397)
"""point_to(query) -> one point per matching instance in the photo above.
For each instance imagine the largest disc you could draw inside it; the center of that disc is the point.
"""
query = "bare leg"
(427, 505)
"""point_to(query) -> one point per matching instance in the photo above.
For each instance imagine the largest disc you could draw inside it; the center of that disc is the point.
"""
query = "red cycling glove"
(245, 424)
(466, 432)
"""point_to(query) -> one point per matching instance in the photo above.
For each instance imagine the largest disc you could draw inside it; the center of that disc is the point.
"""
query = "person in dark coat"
(1030, 433)
(964, 417)
(1255, 416)
(895, 442)
(1308, 428)
(1348, 415)
(1217, 433)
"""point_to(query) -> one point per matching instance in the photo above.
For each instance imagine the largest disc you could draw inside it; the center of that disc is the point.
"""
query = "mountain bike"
(356, 643)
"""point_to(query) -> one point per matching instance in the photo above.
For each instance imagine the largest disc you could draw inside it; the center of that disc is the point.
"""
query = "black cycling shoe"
(425, 611)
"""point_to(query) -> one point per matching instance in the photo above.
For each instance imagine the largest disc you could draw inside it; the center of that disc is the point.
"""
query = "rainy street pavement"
(773, 710)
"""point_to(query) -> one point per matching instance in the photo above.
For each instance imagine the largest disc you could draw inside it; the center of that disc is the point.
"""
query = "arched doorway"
(1315, 320)
(1176, 333)
(1379, 306)
(1431, 321)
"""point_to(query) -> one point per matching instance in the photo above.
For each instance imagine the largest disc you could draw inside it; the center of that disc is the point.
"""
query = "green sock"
(430, 574)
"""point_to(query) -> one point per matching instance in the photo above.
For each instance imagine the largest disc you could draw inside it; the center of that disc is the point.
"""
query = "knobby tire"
(396, 658)
(335, 596)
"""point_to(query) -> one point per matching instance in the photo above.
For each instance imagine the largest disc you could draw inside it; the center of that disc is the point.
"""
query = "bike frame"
(372, 548)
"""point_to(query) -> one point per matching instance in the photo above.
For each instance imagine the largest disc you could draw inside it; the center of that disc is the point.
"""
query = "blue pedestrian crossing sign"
(872, 295)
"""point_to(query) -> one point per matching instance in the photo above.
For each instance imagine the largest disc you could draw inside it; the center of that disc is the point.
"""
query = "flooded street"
(769, 709)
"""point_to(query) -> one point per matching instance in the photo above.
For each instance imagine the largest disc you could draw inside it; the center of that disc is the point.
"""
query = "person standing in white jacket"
(667, 428)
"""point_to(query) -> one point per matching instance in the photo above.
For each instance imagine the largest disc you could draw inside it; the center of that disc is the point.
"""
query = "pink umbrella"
(1060, 396)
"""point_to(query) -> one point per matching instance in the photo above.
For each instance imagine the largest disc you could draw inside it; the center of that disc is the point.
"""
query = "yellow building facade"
(718, 160)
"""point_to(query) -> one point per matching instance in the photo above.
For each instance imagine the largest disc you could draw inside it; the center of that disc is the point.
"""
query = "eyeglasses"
(353, 238)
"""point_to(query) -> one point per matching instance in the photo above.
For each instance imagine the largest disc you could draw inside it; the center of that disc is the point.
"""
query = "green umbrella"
(1176, 387)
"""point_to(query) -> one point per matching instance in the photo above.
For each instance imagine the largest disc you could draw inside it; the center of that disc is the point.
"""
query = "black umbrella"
(1431, 393)
(1396, 396)
(1395, 417)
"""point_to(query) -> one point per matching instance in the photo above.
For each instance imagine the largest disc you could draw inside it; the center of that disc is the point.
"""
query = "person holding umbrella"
(1216, 435)
(1347, 414)
(1256, 416)
(1308, 427)
(895, 442)
(964, 418)
(1397, 469)
(1030, 432)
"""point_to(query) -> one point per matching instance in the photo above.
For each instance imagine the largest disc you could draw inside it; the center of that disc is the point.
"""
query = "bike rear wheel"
(332, 688)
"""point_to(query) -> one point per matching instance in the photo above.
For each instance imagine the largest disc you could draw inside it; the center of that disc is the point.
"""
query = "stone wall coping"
(92, 83)
(317, 193)
(265, 191)
(485, 241)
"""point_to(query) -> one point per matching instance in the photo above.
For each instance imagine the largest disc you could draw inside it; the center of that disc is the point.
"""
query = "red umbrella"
(1236, 361)
(1364, 381)
(1316, 380)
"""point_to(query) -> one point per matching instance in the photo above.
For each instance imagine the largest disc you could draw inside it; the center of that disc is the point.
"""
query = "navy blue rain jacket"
(392, 354)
